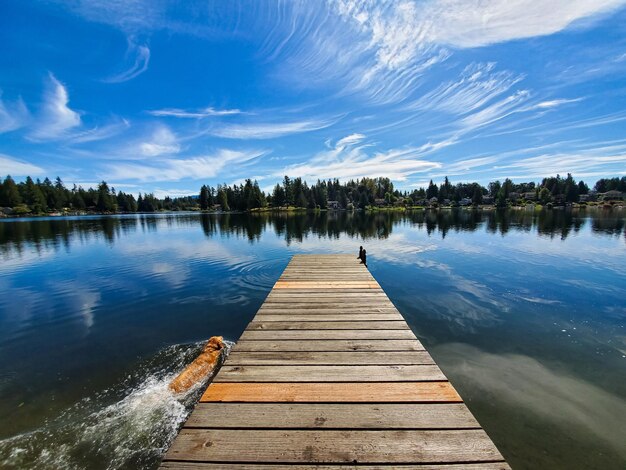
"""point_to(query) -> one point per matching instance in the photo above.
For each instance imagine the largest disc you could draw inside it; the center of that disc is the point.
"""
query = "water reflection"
(523, 310)
(558, 405)
(54, 233)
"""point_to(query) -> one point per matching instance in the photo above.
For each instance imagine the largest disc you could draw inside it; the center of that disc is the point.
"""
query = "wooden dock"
(329, 375)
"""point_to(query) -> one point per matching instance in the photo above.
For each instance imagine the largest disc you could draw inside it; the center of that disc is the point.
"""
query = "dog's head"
(215, 343)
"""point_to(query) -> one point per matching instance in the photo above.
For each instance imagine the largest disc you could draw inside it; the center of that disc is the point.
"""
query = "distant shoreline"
(370, 209)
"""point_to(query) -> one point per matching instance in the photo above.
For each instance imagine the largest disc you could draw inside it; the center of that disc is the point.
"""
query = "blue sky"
(164, 96)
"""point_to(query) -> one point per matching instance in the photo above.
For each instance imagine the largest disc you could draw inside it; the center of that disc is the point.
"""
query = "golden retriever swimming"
(201, 367)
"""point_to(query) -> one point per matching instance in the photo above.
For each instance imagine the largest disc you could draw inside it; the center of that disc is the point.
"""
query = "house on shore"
(612, 195)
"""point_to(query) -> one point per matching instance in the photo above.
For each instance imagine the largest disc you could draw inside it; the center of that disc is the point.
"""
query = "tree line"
(40, 197)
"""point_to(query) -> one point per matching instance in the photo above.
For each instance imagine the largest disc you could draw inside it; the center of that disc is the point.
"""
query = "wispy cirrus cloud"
(14, 167)
(98, 133)
(13, 115)
(350, 140)
(136, 62)
(348, 160)
(549, 104)
(176, 169)
(193, 114)
(582, 163)
(56, 118)
(476, 23)
(477, 85)
(268, 130)
(582, 159)
(496, 111)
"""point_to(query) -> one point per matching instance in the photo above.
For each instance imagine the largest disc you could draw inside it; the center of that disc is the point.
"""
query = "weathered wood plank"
(298, 294)
(332, 416)
(173, 465)
(331, 325)
(327, 302)
(240, 358)
(329, 345)
(358, 392)
(329, 373)
(325, 285)
(328, 293)
(330, 309)
(327, 334)
(282, 446)
(351, 317)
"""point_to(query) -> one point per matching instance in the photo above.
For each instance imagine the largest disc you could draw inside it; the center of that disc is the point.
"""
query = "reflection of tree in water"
(51, 233)
(446, 220)
(611, 224)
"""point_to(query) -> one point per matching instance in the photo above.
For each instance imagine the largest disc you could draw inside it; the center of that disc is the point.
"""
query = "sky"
(163, 96)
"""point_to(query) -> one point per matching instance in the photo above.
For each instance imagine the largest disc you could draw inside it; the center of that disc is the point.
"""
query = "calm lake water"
(525, 313)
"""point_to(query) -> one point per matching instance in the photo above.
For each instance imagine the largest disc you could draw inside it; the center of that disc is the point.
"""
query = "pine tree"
(204, 198)
(10, 195)
(33, 196)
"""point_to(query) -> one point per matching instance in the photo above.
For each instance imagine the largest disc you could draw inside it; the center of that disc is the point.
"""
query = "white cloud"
(395, 41)
(496, 111)
(13, 167)
(267, 130)
(197, 114)
(477, 85)
(556, 102)
(135, 63)
(351, 139)
(590, 163)
(99, 133)
(56, 118)
(347, 161)
(163, 141)
(475, 23)
(174, 192)
(195, 168)
(12, 115)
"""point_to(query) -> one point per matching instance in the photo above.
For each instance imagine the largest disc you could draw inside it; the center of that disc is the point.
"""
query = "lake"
(524, 311)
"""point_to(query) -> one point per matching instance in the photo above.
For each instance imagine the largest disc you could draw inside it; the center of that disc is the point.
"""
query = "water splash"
(128, 426)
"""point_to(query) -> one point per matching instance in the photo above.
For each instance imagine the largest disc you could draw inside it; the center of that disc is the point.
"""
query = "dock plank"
(349, 392)
(329, 345)
(328, 358)
(329, 446)
(327, 334)
(329, 375)
(173, 465)
(293, 317)
(328, 325)
(332, 416)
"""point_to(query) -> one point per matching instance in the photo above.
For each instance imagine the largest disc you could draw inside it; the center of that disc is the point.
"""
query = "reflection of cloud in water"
(175, 276)
(524, 382)
(78, 299)
(466, 248)
(538, 300)
(465, 302)
(86, 302)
